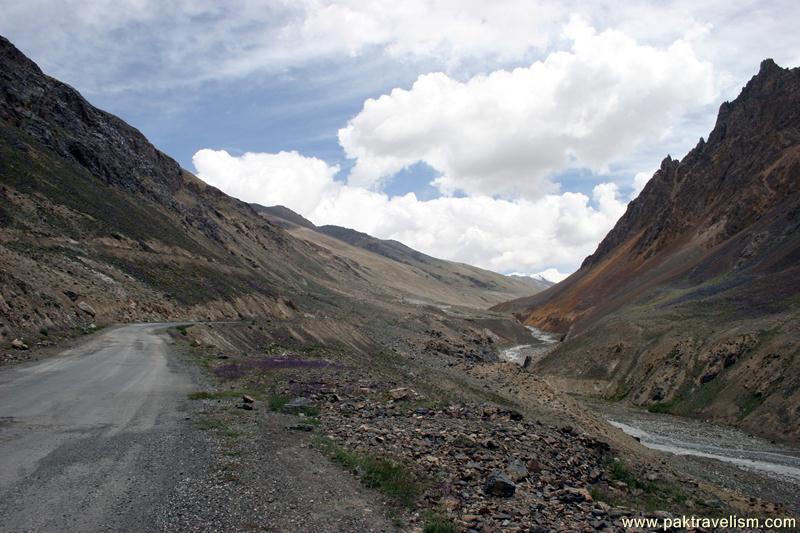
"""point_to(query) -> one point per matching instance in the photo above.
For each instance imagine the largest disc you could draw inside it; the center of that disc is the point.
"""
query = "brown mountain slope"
(405, 270)
(691, 301)
(97, 225)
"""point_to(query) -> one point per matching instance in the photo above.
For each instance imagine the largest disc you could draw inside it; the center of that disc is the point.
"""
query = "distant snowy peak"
(550, 276)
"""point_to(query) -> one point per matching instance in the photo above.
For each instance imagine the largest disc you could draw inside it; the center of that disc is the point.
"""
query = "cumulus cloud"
(501, 235)
(639, 181)
(285, 178)
(506, 132)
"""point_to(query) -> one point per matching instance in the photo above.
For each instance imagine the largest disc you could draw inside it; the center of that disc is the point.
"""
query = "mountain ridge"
(704, 262)
(456, 274)
(99, 226)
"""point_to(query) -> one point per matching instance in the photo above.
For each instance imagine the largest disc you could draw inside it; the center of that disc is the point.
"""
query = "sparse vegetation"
(662, 407)
(385, 474)
(215, 395)
(276, 403)
(438, 523)
(644, 495)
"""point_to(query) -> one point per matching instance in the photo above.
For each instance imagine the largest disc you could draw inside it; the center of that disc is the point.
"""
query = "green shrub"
(438, 523)
(215, 395)
(276, 403)
(385, 474)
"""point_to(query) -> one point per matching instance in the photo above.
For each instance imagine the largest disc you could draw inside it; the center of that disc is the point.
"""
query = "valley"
(174, 358)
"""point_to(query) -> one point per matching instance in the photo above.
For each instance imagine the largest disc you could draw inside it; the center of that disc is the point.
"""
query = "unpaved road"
(89, 437)
(102, 437)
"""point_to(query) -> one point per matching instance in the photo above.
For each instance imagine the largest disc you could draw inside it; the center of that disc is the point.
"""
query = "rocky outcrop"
(707, 253)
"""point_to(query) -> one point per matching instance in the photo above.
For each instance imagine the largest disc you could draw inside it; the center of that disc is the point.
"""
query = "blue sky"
(510, 135)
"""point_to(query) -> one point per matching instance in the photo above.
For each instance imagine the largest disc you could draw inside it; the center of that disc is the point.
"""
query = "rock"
(708, 376)
(86, 308)
(301, 427)
(298, 405)
(70, 294)
(451, 503)
(658, 394)
(17, 344)
(574, 495)
(517, 470)
(400, 393)
(534, 466)
(247, 399)
(499, 484)
(516, 416)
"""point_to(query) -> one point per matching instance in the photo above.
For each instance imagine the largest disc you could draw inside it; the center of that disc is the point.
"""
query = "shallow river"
(541, 343)
(684, 436)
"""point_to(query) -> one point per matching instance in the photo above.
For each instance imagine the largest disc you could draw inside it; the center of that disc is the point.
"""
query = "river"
(766, 469)
(541, 344)
(719, 454)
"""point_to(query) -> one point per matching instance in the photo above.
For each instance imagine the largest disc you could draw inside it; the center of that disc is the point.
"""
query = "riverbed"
(720, 454)
(541, 343)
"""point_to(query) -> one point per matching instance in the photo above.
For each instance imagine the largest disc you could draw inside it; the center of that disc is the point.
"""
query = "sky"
(510, 135)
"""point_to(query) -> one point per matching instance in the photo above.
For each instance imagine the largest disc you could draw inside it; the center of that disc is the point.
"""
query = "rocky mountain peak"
(761, 122)
(57, 116)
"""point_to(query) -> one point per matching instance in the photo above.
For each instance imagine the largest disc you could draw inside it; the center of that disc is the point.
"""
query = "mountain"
(98, 226)
(398, 265)
(690, 303)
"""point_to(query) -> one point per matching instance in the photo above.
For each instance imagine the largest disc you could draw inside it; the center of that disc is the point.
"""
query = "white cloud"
(639, 181)
(552, 274)
(105, 45)
(285, 178)
(505, 132)
(502, 235)
(449, 30)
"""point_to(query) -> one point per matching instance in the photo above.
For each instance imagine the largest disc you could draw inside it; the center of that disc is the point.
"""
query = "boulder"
(574, 495)
(17, 344)
(72, 295)
(86, 308)
(400, 393)
(451, 503)
(517, 470)
(499, 484)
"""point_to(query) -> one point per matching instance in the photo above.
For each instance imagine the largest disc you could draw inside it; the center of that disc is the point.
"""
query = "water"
(683, 436)
(541, 344)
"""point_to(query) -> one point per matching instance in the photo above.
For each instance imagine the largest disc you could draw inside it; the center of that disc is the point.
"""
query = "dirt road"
(89, 437)
(102, 437)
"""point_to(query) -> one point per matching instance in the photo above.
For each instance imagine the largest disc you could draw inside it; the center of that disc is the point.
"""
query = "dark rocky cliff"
(692, 300)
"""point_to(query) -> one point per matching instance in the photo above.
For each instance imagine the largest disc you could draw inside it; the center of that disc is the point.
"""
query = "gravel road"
(103, 437)
(89, 437)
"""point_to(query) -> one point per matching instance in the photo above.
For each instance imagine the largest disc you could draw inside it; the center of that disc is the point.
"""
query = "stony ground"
(260, 476)
(528, 460)
(308, 438)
